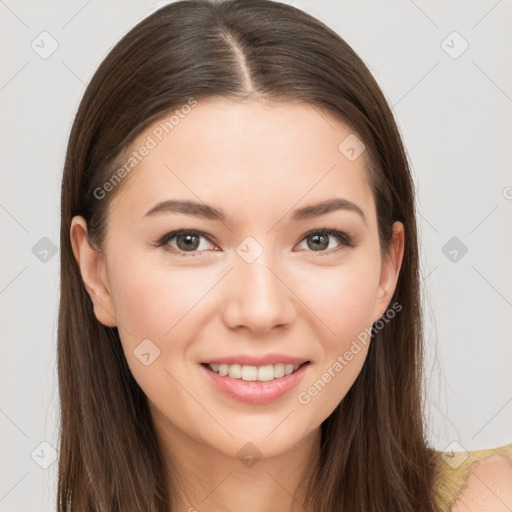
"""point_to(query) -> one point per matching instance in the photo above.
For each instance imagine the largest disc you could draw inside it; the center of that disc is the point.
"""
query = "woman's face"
(250, 279)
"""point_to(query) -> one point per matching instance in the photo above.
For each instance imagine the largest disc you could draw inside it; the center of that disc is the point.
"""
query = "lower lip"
(256, 392)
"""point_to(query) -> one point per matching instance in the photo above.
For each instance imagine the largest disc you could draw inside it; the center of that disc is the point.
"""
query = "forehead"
(244, 156)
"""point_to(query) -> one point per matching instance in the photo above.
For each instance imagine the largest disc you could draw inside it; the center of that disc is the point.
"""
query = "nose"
(257, 296)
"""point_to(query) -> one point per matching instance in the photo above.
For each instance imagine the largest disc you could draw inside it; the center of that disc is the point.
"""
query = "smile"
(254, 373)
(254, 384)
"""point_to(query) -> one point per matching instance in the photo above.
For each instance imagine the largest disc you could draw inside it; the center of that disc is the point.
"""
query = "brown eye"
(185, 241)
(320, 241)
(189, 243)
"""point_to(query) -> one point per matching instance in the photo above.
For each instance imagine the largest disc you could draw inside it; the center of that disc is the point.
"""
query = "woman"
(240, 321)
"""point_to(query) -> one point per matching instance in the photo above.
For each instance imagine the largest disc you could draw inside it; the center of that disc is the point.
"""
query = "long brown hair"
(374, 455)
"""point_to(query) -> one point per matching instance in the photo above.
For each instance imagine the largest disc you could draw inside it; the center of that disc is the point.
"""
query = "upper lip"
(257, 360)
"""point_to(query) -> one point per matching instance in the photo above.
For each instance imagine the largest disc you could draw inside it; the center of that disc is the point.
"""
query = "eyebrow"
(209, 212)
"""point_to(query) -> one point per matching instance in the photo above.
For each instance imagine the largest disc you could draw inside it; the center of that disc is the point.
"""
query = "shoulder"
(475, 481)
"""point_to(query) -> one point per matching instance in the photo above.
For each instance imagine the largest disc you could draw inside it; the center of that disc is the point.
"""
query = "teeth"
(254, 373)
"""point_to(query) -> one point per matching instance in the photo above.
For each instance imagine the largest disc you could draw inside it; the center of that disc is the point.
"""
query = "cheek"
(341, 298)
(340, 301)
(160, 304)
(153, 300)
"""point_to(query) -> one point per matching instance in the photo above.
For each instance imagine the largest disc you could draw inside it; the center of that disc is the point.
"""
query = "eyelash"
(346, 241)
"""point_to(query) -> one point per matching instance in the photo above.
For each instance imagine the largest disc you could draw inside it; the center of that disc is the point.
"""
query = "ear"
(93, 270)
(390, 270)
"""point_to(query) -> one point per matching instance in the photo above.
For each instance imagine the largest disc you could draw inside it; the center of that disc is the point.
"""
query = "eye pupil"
(316, 238)
(188, 244)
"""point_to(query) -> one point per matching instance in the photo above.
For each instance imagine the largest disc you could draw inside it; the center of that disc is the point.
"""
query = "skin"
(488, 488)
(257, 162)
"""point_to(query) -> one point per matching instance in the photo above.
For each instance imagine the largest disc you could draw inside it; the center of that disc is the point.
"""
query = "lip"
(260, 360)
(255, 392)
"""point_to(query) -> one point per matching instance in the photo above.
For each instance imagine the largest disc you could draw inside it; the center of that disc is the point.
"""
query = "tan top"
(454, 470)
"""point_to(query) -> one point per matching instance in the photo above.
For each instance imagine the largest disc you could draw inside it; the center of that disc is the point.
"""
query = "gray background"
(453, 108)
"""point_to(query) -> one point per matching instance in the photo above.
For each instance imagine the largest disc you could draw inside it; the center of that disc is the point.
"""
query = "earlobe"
(390, 270)
(93, 272)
